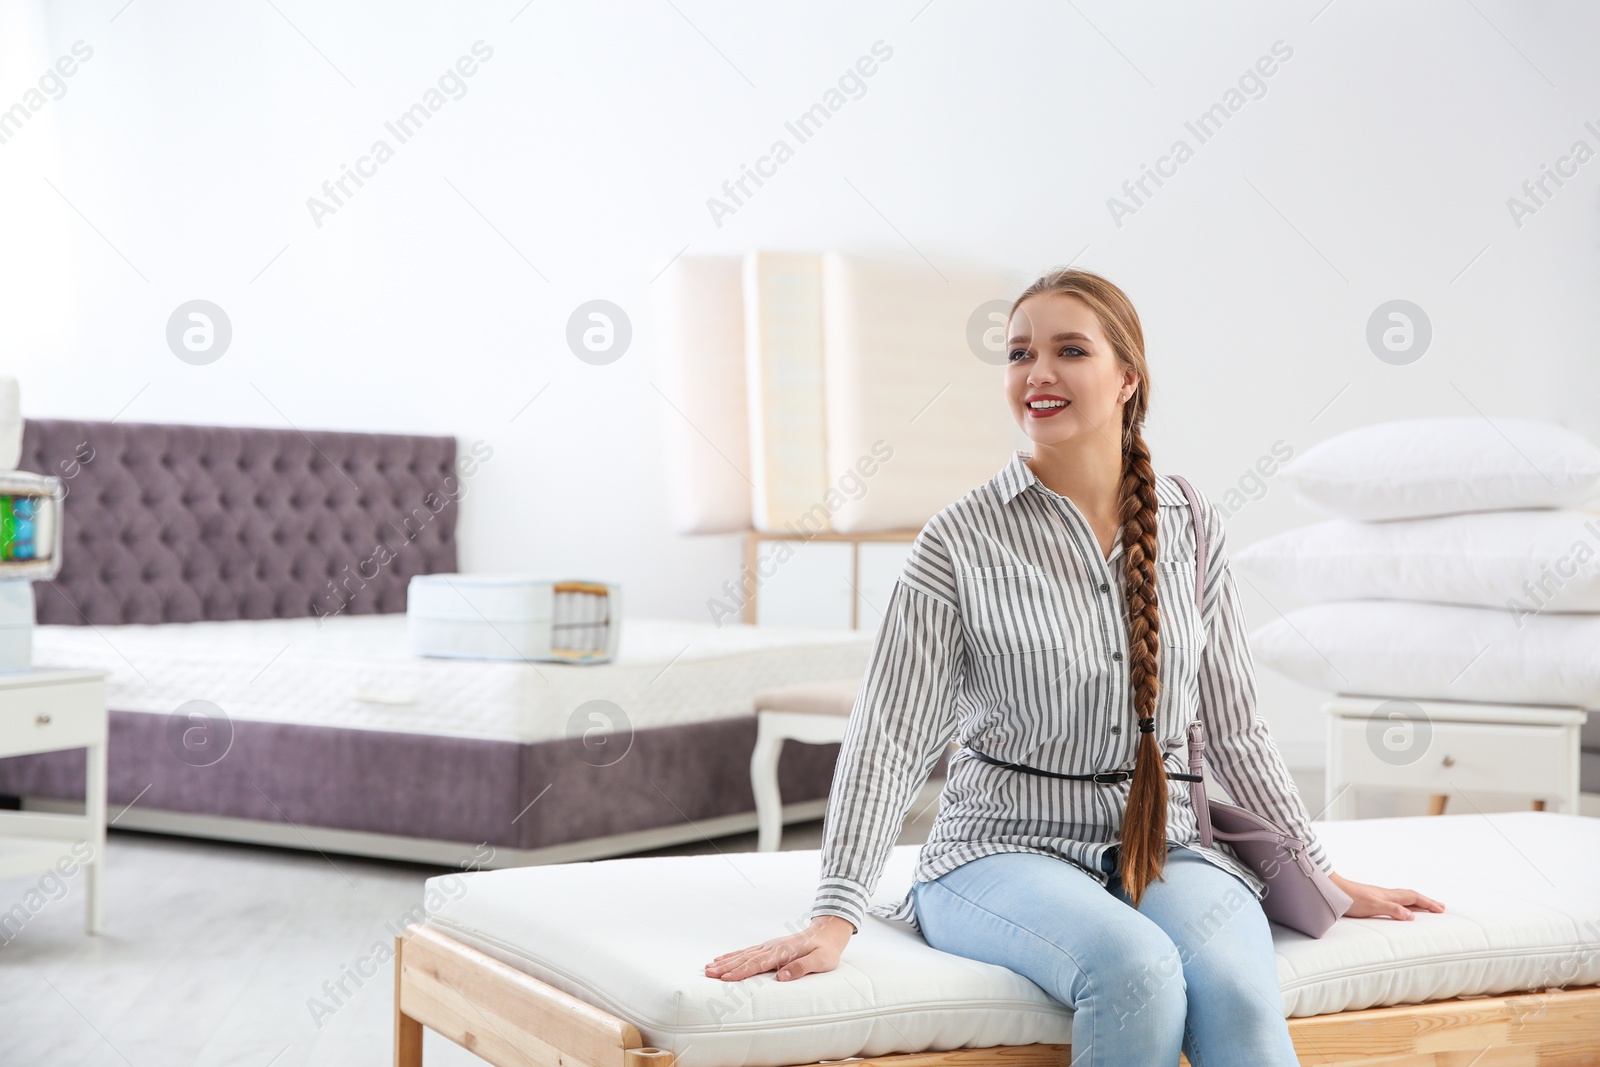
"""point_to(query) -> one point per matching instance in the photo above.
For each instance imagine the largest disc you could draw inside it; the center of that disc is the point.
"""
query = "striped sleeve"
(1239, 747)
(904, 715)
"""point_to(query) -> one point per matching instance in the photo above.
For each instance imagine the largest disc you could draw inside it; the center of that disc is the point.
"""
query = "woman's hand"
(814, 949)
(1376, 902)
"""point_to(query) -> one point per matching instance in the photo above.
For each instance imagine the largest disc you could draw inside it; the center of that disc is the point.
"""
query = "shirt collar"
(1017, 476)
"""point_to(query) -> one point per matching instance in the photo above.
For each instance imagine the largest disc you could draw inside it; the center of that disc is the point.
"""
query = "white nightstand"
(42, 711)
(1439, 747)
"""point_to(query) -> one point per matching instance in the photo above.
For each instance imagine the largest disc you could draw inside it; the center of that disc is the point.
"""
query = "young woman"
(1048, 619)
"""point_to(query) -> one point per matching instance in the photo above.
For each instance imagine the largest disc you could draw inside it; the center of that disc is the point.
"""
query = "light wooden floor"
(212, 952)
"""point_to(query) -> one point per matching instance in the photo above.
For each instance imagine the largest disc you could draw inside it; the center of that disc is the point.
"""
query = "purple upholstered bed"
(189, 524)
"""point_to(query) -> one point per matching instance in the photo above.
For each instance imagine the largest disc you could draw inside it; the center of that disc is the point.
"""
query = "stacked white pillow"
(1460, 561)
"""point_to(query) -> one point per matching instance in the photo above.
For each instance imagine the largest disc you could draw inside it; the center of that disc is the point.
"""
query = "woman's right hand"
(815, 949)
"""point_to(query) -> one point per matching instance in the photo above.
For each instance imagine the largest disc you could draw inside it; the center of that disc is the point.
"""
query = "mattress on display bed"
(1520, 914)
(357, 672)
(198, 563)
(333, 724)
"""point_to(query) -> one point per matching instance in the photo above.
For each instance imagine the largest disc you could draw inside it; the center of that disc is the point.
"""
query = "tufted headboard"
(173, 523)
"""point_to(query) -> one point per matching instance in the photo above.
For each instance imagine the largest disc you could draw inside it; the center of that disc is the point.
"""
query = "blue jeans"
(1192, 968)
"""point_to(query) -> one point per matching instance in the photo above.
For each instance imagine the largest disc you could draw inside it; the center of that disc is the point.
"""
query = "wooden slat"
(1516, 1028)
(507, 1018)
(407, 1031)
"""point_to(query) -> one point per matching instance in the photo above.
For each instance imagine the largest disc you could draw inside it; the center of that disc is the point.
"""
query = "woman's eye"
(1072, 348)
(1015, 352)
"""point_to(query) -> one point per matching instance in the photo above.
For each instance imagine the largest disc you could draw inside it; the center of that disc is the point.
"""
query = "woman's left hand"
(1373, 901)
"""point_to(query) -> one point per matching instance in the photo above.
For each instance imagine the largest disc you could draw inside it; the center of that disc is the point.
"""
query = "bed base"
(510, 1019)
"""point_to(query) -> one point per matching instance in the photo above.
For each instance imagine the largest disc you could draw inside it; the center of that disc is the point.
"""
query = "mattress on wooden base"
(632, 936)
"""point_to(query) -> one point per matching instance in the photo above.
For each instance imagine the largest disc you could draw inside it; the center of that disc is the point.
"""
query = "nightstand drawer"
(1491, 757)
(43, 718)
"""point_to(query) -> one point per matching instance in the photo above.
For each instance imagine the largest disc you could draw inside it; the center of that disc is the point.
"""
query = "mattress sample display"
(357, 672)
(861, 395)
(1516, 917)
(513, 617)
(906, 388)
(699, 361)
(1397, 648)
(784, 383)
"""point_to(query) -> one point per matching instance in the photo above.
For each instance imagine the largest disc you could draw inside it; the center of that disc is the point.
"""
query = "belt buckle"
(1111, 777)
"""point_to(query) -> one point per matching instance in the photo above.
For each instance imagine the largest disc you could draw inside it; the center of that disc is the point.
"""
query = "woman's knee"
(1140, 979)
(1236, 990)
(1073, 942)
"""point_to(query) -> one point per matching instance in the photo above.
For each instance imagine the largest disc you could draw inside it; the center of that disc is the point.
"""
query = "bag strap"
(1197, 740)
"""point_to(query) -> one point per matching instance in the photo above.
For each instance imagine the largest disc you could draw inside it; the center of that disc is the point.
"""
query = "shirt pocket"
(1010, 610)
(1181, 623)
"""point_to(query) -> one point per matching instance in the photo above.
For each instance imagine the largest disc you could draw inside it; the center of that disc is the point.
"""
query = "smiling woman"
(1033, 615)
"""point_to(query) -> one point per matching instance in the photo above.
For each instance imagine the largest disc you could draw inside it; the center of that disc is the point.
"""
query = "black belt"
(1103, 777)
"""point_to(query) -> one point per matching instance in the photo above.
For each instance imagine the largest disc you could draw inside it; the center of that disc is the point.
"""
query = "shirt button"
(1116, 729)
(1116, 655)
(1105, 588)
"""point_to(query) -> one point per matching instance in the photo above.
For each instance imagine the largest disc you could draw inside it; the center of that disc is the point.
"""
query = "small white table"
(815, 713)
(43, 711)
(1442, 746)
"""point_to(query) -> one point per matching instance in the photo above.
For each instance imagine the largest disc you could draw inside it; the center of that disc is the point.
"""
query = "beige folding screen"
(830, 392)
(699, 370)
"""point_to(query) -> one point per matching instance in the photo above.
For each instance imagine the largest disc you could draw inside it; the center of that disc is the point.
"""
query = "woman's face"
(1056, 352)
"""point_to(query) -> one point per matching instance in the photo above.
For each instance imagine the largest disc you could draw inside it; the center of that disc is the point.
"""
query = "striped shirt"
(1007, 631)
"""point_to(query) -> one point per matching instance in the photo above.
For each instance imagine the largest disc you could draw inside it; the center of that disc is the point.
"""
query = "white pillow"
(1397, 648)
(1415, 467)
(1544, 560)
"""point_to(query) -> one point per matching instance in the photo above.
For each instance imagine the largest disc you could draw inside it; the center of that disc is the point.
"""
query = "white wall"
(1376, 164)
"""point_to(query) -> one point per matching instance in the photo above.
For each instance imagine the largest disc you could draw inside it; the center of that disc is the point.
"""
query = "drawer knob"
(42, 720)
(1449, 761)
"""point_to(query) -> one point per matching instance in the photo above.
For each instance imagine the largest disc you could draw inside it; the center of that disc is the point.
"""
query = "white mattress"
(901, 373)
(811, 397)
(357, 672)
(1519, 889)
(699, 359)
(784, 382)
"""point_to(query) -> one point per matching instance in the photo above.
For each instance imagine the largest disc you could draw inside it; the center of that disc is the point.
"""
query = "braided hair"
(1142, 848)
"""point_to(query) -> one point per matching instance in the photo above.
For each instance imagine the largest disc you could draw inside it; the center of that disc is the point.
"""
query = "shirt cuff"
(842, 897)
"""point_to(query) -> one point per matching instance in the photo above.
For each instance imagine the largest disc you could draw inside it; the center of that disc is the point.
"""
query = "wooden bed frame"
(511, 1019)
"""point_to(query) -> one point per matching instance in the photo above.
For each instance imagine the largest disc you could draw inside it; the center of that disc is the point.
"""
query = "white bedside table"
(42, 711)
(813, 712)
(1439, 746)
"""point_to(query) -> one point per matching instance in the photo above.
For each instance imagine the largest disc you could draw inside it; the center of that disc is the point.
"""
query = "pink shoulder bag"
(1299, 894)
